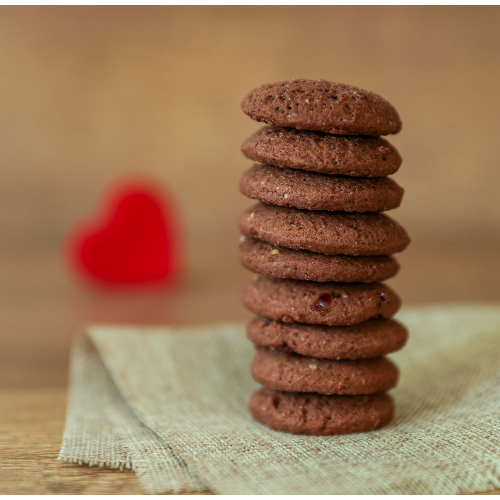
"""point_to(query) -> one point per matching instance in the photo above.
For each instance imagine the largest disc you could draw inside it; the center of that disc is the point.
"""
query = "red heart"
(135, 241)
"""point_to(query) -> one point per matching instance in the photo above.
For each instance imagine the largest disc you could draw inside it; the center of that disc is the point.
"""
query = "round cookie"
(333, 304)
(370, 339)
(319, 415)
(324, 153)
(334, 108)
(292, 373)
(280, 262)
(330, 233)
(311, 191)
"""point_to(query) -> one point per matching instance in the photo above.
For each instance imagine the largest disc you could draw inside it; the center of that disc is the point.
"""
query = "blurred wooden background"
(92, 94)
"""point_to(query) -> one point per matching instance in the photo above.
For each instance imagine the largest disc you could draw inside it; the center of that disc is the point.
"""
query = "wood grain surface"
(91, 94)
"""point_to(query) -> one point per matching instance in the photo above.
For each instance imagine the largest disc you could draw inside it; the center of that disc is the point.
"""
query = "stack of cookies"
(323, 248)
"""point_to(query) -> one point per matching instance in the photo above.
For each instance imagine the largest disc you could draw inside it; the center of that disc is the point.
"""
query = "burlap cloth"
(172, 404)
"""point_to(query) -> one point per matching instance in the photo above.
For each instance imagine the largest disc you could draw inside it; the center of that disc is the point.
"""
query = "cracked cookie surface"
(293, 373)
(325, 153)
(330, 233)
(311, 191)
(280, 262)
(370, 339)
(332, 304)
(319, 415)
(334, 108)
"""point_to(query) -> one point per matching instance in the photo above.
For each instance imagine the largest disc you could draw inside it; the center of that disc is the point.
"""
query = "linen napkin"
(172, 405)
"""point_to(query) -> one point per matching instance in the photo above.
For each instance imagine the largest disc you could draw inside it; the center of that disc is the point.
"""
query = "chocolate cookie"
(319, 415)
(280, 262)
(370, 339)
(324, 153)
(330, 233)
(292, 373)
(294, 188)
(334, 108)
(333, 304)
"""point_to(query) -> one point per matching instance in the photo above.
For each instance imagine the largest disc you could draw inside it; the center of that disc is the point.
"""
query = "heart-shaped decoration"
(136, 240)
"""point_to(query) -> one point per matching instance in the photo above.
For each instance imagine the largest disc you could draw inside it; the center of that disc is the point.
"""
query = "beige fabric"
(101, 430)
(191, 388)
(88, 437)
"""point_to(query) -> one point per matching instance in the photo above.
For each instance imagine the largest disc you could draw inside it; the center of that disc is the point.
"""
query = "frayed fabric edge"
(113, 464)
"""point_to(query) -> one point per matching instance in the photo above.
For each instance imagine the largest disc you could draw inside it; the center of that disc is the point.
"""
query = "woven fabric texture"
(173, 405)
